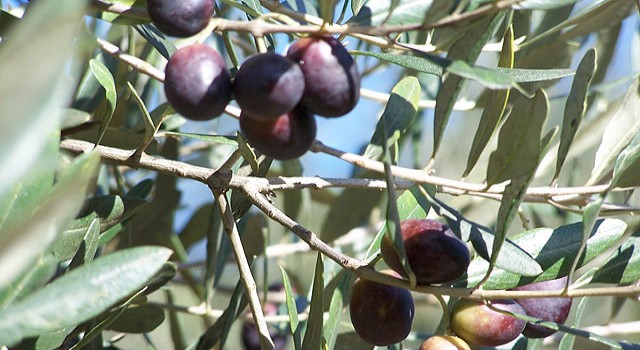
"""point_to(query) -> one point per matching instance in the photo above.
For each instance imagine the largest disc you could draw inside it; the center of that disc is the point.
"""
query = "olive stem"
(446, 314)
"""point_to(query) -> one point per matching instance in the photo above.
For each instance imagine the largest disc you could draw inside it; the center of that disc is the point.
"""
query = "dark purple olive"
(477, 324)
(547, 309)
(381, 314)
(287, 137)
(434, 253)
(250, 336)
(197, 83)
(268, 85)
(332, 81)
(180, 18)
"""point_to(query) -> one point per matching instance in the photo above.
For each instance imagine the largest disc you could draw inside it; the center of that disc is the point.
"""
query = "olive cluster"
(382, 314)
(278, 95)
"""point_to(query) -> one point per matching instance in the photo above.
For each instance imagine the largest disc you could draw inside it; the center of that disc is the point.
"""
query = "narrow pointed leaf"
(511, 200)
(327, 8)
(82, 293)
(542, 4)
(509, 205)
(468, 49)
(575, 106)
(600, 15)
(24, 241)
(623, 266)
(127, 18)
(104, 77)
(568, 340)
(436, 65)
(397, 116)
(494, 110)
(519, 140)
(110, 210)
(138, 319)
(141, 190)
(89, 246)
(37, 276)
(156, 39)
(292, 309)
(622, 128)
(392, 223)
(627, 166)
(217, 333)
(247, 153)
(613, 344)
(219, 139)
(339, 294)
(589, 217)
(71, 118)
(313, 334)
(149, 128)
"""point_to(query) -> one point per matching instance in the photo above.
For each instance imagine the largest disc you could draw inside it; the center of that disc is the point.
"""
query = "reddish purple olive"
(434, 252)
(332, 81)
(478, 324)
(547, 309)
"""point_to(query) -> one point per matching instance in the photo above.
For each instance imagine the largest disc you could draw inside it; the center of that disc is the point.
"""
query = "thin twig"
(377, 35)
(246, 276)
(419, 176)
(135, 62)
(385, 30)
(305, 234)
(422, 104)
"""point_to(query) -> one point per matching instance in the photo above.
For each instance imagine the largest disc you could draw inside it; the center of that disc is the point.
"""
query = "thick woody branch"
(406, 177)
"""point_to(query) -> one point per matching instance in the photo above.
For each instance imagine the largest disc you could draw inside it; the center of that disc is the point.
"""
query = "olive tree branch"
(407, 177)
(377, 35)
(246, 276)
(220, 181)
